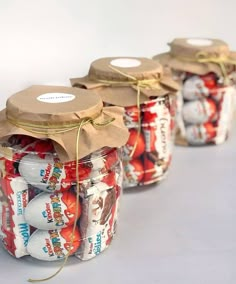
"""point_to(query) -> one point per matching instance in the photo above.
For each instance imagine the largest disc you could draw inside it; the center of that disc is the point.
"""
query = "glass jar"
(40, 204)
(147, 94)
(205, 103)
(147, 156)
(205, 107)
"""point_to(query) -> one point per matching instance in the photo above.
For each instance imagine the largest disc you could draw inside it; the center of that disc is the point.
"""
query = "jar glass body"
(205, 108)
(41, 197)
(147, 154)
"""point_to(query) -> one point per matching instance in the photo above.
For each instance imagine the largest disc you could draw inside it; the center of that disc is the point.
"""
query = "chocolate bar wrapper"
(15, 230)
(97, 220)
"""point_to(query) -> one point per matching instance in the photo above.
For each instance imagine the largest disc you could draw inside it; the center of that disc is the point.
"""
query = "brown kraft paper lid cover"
(104, 73)
(55, 105)
(196, 56)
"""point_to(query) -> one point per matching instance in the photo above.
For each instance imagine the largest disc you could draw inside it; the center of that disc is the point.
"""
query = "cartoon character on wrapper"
(198, 87)
(200, 134)
(199, 111)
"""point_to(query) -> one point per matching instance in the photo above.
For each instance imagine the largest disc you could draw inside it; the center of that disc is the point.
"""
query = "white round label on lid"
(125, 62)
(199, 41)
(55, 98)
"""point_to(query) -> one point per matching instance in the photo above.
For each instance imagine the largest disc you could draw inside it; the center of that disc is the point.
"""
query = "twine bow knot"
(148, 84)
(215, 58)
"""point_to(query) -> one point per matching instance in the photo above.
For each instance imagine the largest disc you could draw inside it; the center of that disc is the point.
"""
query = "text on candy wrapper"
(98, 244)
(21, 197)
(24, 231)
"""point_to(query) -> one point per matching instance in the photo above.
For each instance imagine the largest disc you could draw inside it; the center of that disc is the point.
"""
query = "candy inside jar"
(38, 220)
(205, 109)
(147, 155)
(205, 103)
(147, 94)
(60, 173)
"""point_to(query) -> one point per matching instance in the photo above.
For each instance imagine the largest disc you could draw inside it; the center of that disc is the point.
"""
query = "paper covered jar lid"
(199, 56)
(56, 113)
(116, 80)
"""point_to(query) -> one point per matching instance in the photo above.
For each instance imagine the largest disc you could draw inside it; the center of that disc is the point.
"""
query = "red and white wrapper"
(179, 116)
(198, 87)
(103, 165)
(140, 145)
(151, 158)
(226, 111)
(158, 132)
(200, 134)
(19, 146)
(204, 109)
(131, 116)
(199, 111)
(48, 173)
(53, 245)
(15, 230)
(52, 211)
(98, 219)
(134, 172)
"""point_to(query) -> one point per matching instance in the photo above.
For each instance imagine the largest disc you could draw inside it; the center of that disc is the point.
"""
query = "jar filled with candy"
(205, 104)
(148, 97)
(60, 191)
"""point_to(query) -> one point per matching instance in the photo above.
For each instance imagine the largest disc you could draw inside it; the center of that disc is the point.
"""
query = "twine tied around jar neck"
(57, 129)
(153, 84)
(205, 57)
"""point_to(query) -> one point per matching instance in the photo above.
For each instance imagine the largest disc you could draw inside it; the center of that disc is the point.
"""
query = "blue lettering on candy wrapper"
(19, 204)
(24, 231)
(45, 249)
(98, 244)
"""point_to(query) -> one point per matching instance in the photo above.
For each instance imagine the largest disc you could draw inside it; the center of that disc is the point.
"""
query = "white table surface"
(182, 231)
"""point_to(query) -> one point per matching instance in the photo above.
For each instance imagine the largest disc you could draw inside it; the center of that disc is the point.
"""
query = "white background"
(50, 41)
(181, 232)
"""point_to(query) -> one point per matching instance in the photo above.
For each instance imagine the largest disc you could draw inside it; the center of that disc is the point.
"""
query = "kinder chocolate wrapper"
(200, 134)
(197, 118)
(226, 111)
(133, 172)
(103, 166)
(15, 230)
(52, 211)
(45, 170)
(134, 83)
(155, 168)
(118, 188)
(152, 156)
(206, 69)
(197, 87)
(47, 174)
(134, 137)
(53, 244)
(131, 116)
(98, 219)
(15, 148)
(199, 111)
(49, 212)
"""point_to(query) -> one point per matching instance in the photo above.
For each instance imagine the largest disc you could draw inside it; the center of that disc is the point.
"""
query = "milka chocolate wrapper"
(59, 106)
